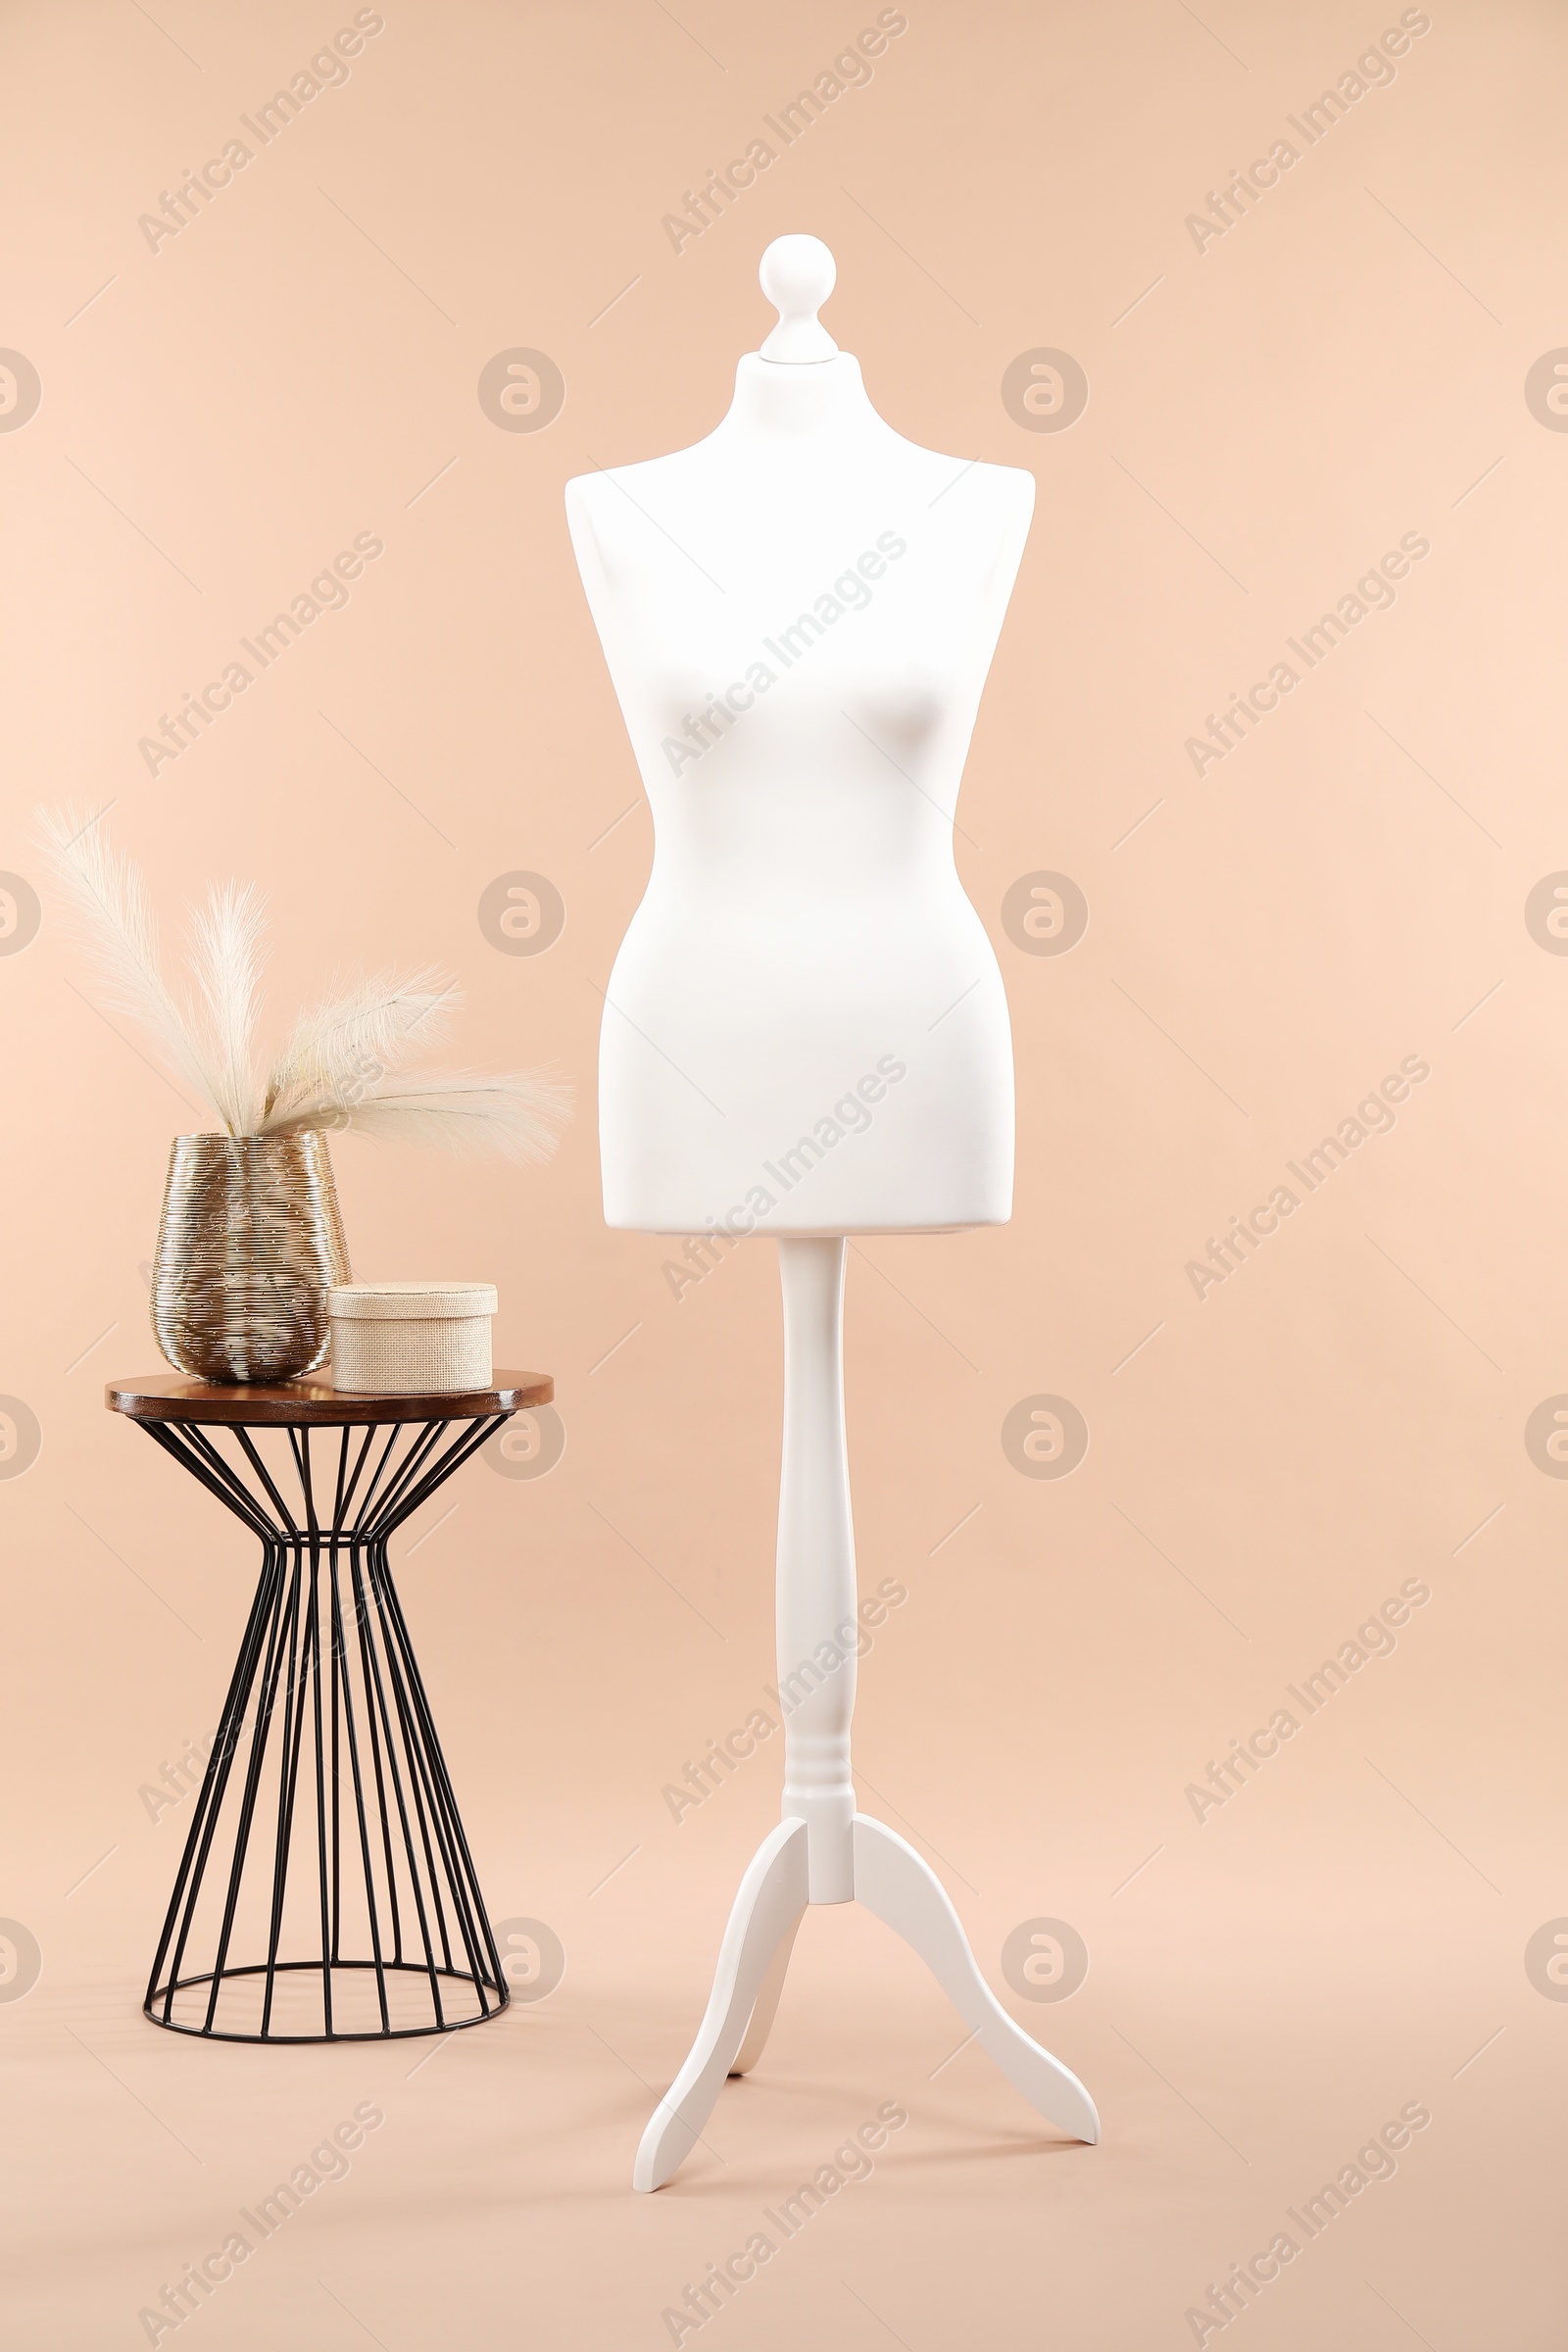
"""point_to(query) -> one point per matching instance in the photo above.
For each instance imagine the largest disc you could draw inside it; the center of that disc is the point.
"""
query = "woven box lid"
(411, 1301)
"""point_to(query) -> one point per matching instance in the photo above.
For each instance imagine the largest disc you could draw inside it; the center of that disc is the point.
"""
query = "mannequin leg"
(765, 1913)
(892, 1880)
(762, 2016)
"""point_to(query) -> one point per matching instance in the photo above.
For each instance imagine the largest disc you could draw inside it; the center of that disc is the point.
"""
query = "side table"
(326, 1838)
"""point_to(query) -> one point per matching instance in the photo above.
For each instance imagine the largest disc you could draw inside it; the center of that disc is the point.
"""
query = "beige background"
(1266, 417)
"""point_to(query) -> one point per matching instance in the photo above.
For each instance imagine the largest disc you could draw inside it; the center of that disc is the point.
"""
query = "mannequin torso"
(805, 1029)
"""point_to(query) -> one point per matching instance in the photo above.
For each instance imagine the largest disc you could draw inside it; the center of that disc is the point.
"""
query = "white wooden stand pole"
(823, 1851)
(816, 1596)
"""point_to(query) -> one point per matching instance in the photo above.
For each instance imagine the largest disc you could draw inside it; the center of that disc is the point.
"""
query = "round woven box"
(392, 1339)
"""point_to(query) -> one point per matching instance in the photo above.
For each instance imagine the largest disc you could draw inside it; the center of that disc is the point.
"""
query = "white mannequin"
(803, 920)
(805, 1032)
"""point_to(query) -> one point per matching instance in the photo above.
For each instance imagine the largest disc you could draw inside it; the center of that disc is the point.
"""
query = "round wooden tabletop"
(313, 1401)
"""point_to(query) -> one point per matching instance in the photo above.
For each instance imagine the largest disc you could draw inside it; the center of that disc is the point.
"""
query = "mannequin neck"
(779, 401)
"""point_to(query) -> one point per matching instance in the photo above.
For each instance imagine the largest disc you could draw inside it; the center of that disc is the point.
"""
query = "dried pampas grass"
(349, 1062)
(226, 936)
(107, 905)
(516, 1113)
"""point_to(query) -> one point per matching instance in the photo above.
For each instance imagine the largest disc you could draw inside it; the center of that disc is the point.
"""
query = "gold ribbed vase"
(249, 1244)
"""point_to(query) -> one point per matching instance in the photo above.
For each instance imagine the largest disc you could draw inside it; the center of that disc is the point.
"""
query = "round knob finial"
(798, 274)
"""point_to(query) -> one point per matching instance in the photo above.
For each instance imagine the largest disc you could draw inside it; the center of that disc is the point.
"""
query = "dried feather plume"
(349, 1062)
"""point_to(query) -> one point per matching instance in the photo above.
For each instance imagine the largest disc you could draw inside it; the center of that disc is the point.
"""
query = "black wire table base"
(326, 1891)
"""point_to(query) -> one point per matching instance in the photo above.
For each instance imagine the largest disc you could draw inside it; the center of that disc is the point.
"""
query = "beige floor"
(1245, 2041)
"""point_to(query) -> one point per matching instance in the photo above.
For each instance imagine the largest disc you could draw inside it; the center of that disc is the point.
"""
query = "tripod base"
(892, 1880)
